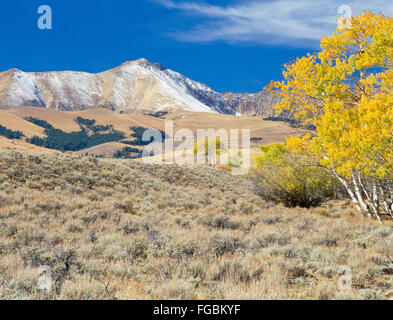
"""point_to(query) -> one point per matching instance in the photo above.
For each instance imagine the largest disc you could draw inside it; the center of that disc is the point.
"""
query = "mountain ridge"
(132, 86)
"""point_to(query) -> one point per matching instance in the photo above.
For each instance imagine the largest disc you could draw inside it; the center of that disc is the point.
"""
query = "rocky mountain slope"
(134, 85)
(261, 103)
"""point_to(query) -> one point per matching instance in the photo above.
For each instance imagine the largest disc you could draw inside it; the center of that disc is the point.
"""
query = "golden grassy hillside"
(267, 131)
(118, 229)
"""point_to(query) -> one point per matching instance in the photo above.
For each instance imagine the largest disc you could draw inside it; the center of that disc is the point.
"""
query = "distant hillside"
(104, 132)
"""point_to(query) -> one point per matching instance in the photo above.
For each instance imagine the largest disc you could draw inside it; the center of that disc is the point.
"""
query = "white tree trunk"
(375, 203)
(385, 204)
(359, 195)
(350, 192)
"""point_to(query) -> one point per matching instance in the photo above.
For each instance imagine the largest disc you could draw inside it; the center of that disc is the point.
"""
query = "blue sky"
(230, 45)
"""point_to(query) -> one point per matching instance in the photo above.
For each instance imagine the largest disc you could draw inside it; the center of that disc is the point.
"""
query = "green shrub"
(291, 179)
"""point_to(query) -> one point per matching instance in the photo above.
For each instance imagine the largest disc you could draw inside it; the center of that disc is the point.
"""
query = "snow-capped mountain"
(134, 85)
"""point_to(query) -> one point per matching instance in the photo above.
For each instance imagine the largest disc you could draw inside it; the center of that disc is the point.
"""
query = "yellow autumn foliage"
(346, 92)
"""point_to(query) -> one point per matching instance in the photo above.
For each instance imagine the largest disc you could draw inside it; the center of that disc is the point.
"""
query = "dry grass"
(112, 229)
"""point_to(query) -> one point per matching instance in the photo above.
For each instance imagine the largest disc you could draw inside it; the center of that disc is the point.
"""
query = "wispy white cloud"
(291, 22)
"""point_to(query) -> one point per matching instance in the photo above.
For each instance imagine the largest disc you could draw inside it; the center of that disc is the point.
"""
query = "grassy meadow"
(120, 229)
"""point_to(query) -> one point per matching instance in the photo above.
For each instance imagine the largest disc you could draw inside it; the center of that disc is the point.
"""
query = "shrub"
(224, 245)
(130, 228)
(127, 205)
(138, 250)
(292, 180)
(220, 222)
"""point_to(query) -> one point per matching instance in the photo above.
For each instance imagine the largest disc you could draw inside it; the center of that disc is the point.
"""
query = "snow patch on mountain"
(23, 91)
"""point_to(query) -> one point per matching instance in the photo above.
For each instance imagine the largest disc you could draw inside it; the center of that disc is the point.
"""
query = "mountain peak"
(144, 63)
(13, 71)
